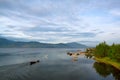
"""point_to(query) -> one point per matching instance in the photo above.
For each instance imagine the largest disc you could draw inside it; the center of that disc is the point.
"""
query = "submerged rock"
(34, 62)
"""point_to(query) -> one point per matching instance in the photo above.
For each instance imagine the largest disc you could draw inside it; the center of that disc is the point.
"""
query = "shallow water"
(54, 64)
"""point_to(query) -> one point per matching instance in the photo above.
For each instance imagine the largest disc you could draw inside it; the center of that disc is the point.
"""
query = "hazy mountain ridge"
(5, 43)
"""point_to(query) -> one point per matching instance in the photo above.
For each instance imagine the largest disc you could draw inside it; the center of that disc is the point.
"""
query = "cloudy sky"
(60, 21)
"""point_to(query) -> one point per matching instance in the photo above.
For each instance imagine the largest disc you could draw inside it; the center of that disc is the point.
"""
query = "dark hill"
(5, 43)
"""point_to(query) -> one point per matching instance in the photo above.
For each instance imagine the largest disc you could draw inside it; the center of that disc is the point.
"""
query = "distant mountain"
(5, 43)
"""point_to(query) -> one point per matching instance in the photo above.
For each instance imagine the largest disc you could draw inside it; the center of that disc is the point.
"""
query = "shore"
(108, 61)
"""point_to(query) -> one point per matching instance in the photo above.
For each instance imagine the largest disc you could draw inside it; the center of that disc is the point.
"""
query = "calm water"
(54, 64)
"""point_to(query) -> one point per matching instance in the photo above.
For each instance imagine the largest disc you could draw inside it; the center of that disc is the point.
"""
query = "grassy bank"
(107, 60)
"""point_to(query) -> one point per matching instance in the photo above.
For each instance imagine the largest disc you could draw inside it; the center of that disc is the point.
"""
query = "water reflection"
(105, 70)
(102, 69)
(54, 65)
(89, 56)
(74, 56)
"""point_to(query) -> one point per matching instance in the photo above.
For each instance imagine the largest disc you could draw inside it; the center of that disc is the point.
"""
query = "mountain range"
(5, 43)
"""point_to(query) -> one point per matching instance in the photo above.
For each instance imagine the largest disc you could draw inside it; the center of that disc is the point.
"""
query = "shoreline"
(107, 60)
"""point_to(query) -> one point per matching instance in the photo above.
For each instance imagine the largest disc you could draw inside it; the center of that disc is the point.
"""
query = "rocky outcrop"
(34, 62)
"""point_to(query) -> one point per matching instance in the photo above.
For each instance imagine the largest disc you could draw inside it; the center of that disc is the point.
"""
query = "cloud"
(84, 34)
(60, 21)
(89, 43)
(115, 12)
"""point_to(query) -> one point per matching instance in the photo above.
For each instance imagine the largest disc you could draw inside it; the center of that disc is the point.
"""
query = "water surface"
(54, 64)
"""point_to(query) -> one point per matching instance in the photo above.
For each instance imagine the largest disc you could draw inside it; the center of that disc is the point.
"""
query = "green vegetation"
(104, 50)
(107, 60)
(106, 53)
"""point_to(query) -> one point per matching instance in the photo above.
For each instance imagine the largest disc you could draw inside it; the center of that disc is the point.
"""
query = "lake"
(54, 64)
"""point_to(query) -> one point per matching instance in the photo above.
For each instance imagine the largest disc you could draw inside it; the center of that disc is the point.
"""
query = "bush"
(101, 50)
(104, 50)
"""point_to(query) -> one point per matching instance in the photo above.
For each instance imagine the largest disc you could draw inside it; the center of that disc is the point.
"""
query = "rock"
(69, 53)
(34, 62)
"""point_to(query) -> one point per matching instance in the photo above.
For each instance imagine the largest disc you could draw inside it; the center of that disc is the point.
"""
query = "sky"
(60, 21)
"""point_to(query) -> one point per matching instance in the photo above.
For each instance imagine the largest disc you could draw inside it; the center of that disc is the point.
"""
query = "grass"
(107, 60)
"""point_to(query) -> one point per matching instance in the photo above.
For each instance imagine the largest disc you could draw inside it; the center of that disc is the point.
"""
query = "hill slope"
(5, 43)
